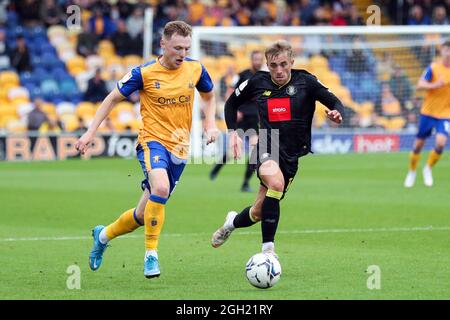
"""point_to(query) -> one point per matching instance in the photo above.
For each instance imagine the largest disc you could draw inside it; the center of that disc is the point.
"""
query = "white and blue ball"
(263, 270)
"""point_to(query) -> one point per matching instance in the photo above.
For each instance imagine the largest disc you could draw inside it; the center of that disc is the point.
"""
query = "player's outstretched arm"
(102, 112)
(211, 130)
(335, 106)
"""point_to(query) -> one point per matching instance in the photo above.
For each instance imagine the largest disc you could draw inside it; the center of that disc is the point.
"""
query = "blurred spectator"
(390, 105)
(87, 41)
(96, 90)
(37, 117)
(4, 51)
(400, 85)
(338, 18)
(307, 9)
(227, 83)
(3, 14)
(135, 23)
(357, 61)
(20, 56)
(50, 13)
(125, 9)
(385, 67)
(28, 11)
(101, 25)
(197, 10)
(440, 16)
(354, 18)
(101, 5)
(417, 17)
(122, 40)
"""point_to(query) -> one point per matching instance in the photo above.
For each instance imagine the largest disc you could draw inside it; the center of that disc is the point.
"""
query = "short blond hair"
(177, 27)
(279, 47)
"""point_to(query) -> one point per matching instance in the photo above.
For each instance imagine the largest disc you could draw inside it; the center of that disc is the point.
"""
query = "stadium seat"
(94, 62)
(86, 110)
(65, 107)
(70, 122)
(76, 65)
(8, 110)
(24, 109)
(132, 61)
(16, 126)
(49, 89)
(18, 93)
(49, 108)
(56, 31)
(106, 48)
(9, 78)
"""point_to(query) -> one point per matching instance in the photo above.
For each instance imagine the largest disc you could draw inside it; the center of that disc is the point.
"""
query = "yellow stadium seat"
(18, 93)
(8, 109)
(49, 108)
(5, 119)
(76, 65)
(113, 60)
(85, 109)
(3, 94)
(56, 31)
(132, 60)
(16, 126)
(9, 78)
(105, 47)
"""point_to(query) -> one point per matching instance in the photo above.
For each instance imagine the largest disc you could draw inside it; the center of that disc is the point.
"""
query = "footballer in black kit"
(286, 104)
(289, 109)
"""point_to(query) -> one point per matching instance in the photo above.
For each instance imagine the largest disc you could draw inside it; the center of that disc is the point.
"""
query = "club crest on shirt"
(157, 85)
(291, 90)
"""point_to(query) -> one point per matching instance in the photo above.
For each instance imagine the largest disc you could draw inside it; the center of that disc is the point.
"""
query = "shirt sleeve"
(130, 82)
(243, 93)
(325, 96)
(428, 74)
(204, 84)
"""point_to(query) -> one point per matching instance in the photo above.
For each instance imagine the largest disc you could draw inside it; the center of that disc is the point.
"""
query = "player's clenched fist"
(334, 116)
(83, 143)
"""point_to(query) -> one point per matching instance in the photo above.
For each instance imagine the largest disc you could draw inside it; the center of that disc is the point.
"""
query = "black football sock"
(215, 171)
(270, 214)
(243, 219)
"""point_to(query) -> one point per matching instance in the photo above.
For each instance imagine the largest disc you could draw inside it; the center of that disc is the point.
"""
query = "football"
(263, 270)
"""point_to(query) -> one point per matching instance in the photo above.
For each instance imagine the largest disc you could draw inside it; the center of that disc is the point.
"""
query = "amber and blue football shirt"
(167, 97)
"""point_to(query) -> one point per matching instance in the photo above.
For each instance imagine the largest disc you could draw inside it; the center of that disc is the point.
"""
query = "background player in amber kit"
(166, 88)
(286, 104)
(435, 113)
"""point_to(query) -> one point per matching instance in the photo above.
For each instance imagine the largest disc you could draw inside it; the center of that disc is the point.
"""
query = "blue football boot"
(151, 267)
(96, 256)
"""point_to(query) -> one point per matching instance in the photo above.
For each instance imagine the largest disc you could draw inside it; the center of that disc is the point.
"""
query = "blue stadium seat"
(27, 77)
(49, 89)
(49, 59)
(69, 89)
(60, 74)
(47, 48)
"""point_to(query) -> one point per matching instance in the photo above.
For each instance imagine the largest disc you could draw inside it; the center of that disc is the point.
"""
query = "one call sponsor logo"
(279, 109)
(376, 143)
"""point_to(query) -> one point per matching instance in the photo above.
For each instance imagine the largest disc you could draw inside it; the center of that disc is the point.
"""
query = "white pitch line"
(312, 231)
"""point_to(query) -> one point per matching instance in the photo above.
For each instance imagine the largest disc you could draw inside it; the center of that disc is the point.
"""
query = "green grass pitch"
(342, 214)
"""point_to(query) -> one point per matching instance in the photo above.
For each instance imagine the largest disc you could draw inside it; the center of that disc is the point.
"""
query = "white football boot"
(427, 176)
(224, 232)
(410, 179)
